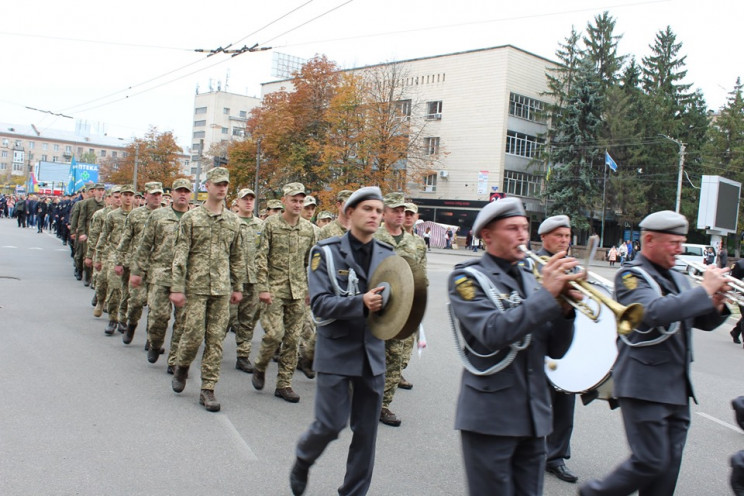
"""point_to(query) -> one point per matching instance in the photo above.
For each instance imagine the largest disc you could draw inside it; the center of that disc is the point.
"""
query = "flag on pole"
(609, 162)
(547, 175)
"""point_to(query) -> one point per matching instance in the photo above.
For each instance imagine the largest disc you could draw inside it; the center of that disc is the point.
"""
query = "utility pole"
(136, 163)
(258, 165)
(681, 169)
(197, 183)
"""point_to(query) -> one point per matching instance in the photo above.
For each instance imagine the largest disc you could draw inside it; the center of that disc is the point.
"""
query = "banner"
(80, 175)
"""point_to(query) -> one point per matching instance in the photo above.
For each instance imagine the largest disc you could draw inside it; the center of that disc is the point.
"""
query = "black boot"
(129, 335)
(110, 328)
(180, 374)
(298, 477)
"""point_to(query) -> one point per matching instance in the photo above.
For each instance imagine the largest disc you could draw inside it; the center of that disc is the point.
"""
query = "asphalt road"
(84, 414)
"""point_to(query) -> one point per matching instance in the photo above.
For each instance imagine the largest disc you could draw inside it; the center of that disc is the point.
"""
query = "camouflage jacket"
(87, 209)
(74, 216)
(332, 229)
(113, 228)
(96, 226)
(250, 230)
(208, 256)
(132, 236)
(153, 257)
(281, 265)
(408, 247)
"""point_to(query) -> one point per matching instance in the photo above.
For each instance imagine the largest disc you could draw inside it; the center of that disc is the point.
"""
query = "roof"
(41, 133)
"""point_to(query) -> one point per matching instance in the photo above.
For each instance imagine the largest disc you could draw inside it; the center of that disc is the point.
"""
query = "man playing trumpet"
(505, 416)
(652, 371)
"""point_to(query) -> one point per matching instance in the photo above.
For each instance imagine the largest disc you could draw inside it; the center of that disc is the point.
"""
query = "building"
(482, 117)
(219, 117)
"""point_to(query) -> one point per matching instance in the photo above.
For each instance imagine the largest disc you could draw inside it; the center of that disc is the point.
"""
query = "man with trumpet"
(652, 371)
(503, 410)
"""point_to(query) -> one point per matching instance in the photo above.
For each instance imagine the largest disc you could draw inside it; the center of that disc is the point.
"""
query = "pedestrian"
(737, 271)
(723, 257)
(612, 256)
(448, 239)
(623, 252)
(427, 238)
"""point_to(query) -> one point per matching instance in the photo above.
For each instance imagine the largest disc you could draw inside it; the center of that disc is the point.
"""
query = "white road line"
(9, 246)
(35, 248)
(719, 422)
(240, 443)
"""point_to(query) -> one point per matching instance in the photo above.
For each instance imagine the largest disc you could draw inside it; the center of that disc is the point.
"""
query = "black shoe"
(129, 335)
(94, 301)
(110, 328)
(169, 370)
(78, 275)
(153, 355)
(180, 374)
(258, 379)
(404, 384)
(86, 283)
(562, 472)
(244, 364)
(298, 477)
(122, 327)
(147, 346)
(735, 336)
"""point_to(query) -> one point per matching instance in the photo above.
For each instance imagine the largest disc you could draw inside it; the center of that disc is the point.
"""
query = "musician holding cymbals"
(652, 372)
(510, 322)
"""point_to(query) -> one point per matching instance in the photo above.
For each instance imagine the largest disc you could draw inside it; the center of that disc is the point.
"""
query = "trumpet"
(735, 295)
(626, 317)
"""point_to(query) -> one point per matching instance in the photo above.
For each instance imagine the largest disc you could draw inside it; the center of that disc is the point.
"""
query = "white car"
(691, 253)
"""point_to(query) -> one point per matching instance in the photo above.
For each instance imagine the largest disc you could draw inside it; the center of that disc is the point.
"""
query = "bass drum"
(587, 364)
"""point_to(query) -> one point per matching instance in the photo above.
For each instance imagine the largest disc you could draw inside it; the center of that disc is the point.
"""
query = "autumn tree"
(156, 156)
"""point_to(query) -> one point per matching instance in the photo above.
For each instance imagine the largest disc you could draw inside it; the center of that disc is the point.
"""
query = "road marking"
(9, 246)
(35, 248)
(719, 422)
(239, 441)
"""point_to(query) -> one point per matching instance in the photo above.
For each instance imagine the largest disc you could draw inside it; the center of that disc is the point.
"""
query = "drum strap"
(352, 288)
(664, 333)
(461, 345)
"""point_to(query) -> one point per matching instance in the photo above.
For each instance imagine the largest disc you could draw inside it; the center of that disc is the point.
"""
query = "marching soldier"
(324, 218)
(208, 274)
(282, 285)
(274, 207)
(113, 201)
(136, 298)
(339, 226)
(154, 257)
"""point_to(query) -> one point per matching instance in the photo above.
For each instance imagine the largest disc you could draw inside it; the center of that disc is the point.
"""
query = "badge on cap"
(315, 261)
(630, 281)
(465, 288)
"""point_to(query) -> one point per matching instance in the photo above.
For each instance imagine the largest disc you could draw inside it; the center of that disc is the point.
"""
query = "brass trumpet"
(627, 317)
(734, 295)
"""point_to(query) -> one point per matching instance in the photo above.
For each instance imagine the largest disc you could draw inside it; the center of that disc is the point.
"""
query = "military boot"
(94, 301)
(306, 367)
(122, 327)
(110, 328)
(153, 354)
(244, 364)
(207, 399)
(129, 335)
(388, 418)
(258, 379)
(180, 374)
(98, 311)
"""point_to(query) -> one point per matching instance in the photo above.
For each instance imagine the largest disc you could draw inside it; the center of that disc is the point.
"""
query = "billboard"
(718, 210)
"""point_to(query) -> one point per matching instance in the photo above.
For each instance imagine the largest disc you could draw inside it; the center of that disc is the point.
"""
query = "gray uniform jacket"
(342, 345)
(661, 372)
(516, 400)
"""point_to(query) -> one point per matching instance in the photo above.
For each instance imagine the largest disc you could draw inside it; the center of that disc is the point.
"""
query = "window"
(193, 171)
(55, 158)
(80, 150)
(114, 154)
(430, 183)
(18, 144)
(434, 110)
(68, 149)
(522, 184)
(226, 110)
(3, 165)
(243, 114)
(431, 146)
(199, 134)
(43, 158)
(31, 145)
(200, 110)
(6, 142)
(56, 147)
(238, 131)
(522, 145)
(17, 167)
(200, 123)
(526, 108)
(225, 130)
(403, 107)
(4, 154)
(103, 153)
(44, 146)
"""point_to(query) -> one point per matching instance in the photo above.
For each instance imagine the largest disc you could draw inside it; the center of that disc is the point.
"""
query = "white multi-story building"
(219, 117)
(481, 110)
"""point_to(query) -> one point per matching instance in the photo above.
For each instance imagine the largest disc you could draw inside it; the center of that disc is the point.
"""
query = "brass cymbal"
(394, 272)
(418, 306)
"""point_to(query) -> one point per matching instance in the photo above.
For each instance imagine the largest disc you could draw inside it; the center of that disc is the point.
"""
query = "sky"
(124, 67)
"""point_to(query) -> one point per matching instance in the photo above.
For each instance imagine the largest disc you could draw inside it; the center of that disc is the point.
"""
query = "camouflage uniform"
(207, 266)
(154, 257)
(281, 270)
(333, 229)
(113, 228)
(307, 335)
(85, 216)
(394, 348)
(247, 311)
(96, 227)
(408, 343)
(74, 217)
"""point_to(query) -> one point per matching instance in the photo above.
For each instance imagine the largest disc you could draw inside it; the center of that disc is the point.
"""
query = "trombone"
(735, 295)
(627, 317)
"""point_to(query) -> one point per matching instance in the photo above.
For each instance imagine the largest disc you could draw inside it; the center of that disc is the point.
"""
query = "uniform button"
(529, 371)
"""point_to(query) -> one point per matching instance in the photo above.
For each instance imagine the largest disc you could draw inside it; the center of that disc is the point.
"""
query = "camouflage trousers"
(205, 319)
(124, 302)
(408, 349)
(80, 248)
(158, 315)
(101, 285)
(136, 302)
(113, 290)
(247, 313)
(307, 337)
(282, 324)
(395, 350)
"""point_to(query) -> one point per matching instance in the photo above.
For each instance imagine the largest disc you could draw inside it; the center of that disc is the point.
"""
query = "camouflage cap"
(245, 192)
(139, 193)
(274, 205)
(411, 207)
(127, 188)
(154, 187)
(293, 189)
(115, 189)
(98, 186)
(394, 200)
(182, 184)
(325, 215)
(218, 175)
(344, 195)
(310, 200)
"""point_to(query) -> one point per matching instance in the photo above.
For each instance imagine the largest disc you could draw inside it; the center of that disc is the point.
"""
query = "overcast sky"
(131, 65)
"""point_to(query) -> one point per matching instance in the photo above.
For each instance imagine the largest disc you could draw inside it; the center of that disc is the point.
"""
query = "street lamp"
(681, 168)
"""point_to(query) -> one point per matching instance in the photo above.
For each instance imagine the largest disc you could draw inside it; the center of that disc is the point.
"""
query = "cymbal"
(396, 273)
(418, 306)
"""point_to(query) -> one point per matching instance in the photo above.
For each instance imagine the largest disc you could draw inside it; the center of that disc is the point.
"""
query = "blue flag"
(80, 174)
(609, 162)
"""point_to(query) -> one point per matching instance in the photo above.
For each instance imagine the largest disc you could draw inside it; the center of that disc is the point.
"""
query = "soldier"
(113, 201)
(247, 311)
(282, 285)
(85, 216)
(404, 245)
(105, 254)
(135, 299)
(274, 207)
(309, 207)
(324, 218)
(74, 243)
(154, 256)
(307, 335)
(208, 275)
(339, 226)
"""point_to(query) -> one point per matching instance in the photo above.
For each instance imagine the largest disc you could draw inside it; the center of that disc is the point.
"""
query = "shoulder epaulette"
(329, 241)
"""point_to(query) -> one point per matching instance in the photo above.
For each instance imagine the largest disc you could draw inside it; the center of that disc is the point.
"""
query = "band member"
(555, 233)
(503, 410)
(349, 360)
(652, 371)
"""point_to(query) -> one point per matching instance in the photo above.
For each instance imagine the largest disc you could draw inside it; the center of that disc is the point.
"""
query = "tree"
(601, 50)
(157, 160)
(88, 158)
